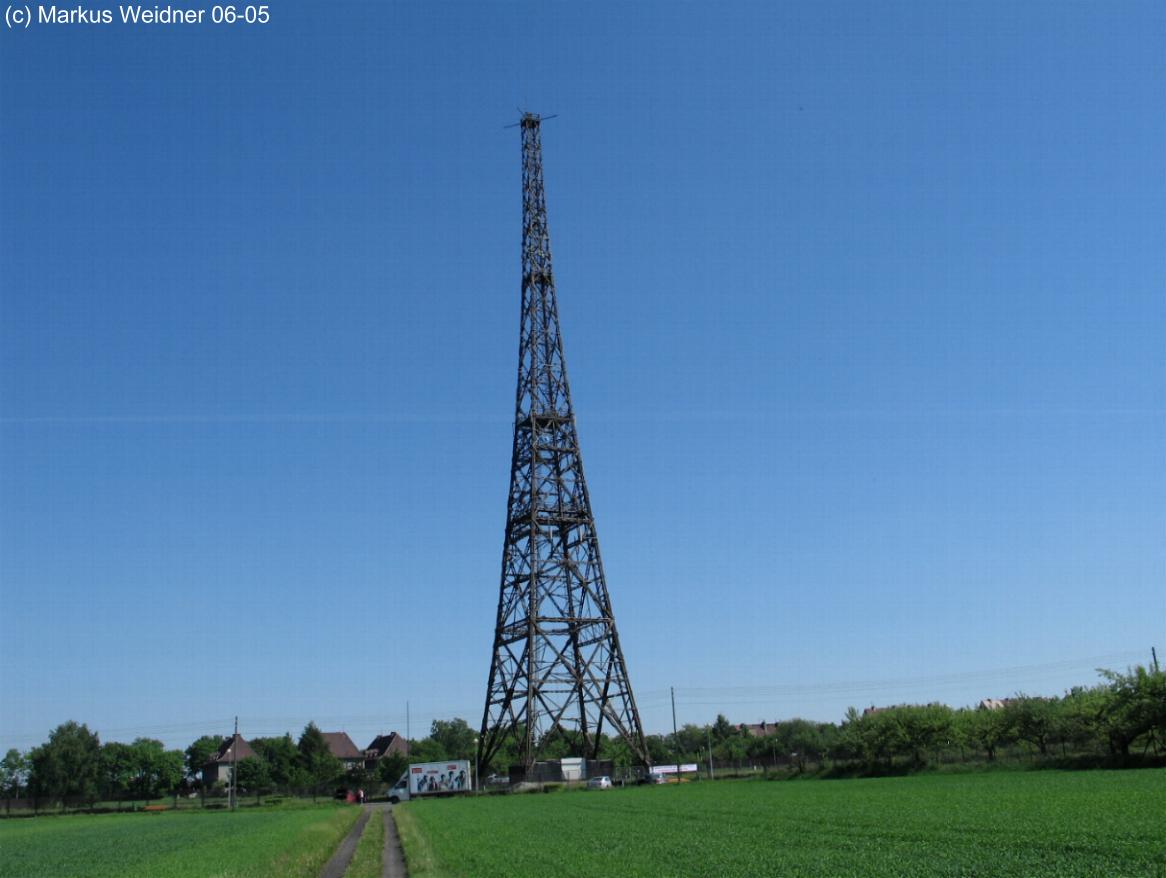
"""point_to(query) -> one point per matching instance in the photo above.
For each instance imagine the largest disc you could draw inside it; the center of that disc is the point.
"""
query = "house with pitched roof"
(382, 746)
(232, 750)
(342, 747)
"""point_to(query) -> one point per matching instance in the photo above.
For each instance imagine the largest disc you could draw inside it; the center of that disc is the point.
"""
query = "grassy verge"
(368, 861)
(165, 803)
(275, 843)
(1100, 824)
(419, 854)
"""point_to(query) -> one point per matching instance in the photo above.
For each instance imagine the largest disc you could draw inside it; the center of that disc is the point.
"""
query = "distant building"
(759, 730)
(232, 750)
(382, 746)
(994, 703)
(342, 747)
(872, 709)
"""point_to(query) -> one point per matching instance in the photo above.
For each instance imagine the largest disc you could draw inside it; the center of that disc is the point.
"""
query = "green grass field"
(368, 860)
(1101, 823)
(279, 842)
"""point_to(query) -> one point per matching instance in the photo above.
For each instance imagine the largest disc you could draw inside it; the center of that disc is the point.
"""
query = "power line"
(723, 696)
(857, 686)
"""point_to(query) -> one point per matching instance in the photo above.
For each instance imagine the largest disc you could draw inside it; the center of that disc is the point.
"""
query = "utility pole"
(709, 729)
(675, 736)
(1154, 656)
(557, 671)
(235, 766)
(408, 733)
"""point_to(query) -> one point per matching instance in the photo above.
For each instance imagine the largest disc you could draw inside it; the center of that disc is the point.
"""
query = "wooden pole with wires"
(235, 767)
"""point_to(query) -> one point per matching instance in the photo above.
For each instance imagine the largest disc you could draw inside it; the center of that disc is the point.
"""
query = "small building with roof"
(342, 747)
(382, 746)
(759, 730)
(994, 703)
(218, 769)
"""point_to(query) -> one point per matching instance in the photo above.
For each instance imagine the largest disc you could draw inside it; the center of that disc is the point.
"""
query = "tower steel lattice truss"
(557, 666)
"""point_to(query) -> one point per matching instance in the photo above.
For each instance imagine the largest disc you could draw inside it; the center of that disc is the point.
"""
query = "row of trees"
(73, 766)
(1124, 716)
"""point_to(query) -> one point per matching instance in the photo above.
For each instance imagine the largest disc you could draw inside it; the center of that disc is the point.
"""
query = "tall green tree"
(428, 750)
(659, 750)
(802, 741)
(733, 749)
(1074, 722)
(454, 739)
(730, 742)
(391, 767)
(320, 767)
(723, 729)
(848, 740)
(858, 740)
(117, 770)
(829, 736)
(199, 753)
(253, 776)
(691, 740)
(67, 766)
(924, 729)
(157, 771)
(1135, 708)
(279, 755)
(14, 769)
(1032, 720)
(983, 729)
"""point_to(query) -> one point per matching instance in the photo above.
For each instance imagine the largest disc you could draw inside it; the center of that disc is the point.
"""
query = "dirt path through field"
(340, 860)
(394, 859)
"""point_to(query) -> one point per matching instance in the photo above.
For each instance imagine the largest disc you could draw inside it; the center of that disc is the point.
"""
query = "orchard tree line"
(1121, 721)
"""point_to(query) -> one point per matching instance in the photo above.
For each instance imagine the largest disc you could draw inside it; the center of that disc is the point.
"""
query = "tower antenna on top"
(531, 116)
(557, 672)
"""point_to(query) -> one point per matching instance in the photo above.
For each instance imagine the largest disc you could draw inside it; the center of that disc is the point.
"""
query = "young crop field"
(211, 844)
(368, 862)
(1104, 824)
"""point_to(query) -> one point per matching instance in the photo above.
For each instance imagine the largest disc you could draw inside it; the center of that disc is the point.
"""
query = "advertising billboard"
(451, 776)
(686, 768)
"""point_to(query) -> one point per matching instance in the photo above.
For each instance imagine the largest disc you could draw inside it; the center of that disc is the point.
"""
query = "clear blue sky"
(864, 308)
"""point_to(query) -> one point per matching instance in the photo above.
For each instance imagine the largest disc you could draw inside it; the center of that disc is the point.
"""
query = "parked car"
(652, 777)
(599, 783)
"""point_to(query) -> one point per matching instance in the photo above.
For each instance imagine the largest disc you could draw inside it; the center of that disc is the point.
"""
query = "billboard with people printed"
(428, 778)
